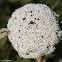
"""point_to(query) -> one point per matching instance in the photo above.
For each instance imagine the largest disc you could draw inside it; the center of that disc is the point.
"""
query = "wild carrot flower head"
(33, 30)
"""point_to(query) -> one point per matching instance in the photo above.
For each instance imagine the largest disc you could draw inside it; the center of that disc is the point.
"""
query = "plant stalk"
(4, 32)
(39, 59)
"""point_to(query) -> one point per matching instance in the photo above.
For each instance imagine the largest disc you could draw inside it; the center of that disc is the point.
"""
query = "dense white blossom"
(33, 30)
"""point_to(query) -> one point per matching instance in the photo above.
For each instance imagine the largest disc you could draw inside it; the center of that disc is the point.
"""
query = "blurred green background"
(7, 52)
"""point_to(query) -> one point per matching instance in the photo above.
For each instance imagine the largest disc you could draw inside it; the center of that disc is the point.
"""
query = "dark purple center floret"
(32, 22)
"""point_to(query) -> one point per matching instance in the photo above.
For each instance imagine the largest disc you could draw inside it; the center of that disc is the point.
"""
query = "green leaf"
(49, 56)
(3, 41)
(4, 56)
(22, 60)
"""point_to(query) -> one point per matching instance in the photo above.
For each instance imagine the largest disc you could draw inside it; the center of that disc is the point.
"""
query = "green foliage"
(2, 42)
(7, 52)
(21, 60)
(49, 56)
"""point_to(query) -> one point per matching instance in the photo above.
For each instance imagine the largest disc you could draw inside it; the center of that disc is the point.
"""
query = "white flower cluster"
(33, 30)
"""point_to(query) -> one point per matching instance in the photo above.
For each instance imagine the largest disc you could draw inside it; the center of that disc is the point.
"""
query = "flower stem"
(61, 22)
(39, 59)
